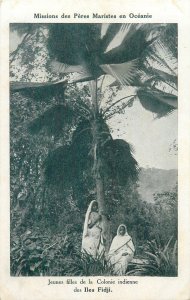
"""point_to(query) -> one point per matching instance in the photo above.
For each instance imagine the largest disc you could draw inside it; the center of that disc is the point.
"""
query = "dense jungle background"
(52, 163)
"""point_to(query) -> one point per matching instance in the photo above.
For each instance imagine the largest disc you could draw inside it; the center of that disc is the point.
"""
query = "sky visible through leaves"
(152, 138)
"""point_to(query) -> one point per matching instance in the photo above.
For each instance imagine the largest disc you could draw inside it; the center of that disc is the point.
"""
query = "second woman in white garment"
(121, 251)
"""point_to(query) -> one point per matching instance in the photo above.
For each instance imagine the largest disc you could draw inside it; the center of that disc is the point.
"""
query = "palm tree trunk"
(98, 171)
(106, 228)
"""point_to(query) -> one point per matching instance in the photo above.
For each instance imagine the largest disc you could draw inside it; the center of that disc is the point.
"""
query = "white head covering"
(118, 229)
(89, 210)
(121, 240)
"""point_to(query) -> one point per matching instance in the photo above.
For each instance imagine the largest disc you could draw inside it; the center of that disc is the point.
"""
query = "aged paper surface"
(163, 11)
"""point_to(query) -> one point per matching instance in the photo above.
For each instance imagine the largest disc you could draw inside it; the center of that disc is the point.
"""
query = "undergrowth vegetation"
(156, 260)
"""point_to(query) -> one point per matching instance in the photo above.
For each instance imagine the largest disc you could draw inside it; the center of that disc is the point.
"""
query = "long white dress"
(92, 237)
(121, 245)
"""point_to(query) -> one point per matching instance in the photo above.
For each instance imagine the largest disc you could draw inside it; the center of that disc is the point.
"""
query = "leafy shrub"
(157, 260)
(36, 254)
(39, 255)
(84, 264)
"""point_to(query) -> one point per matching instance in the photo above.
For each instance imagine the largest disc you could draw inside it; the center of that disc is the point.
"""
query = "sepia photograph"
(93, 149)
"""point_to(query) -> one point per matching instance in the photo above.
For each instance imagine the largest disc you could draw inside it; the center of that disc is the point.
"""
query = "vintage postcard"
(94, 191)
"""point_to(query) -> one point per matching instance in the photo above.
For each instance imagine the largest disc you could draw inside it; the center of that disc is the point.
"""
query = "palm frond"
(82, 144)
(67, 164)
(169, 37)
(164, 76)
(19, 85)
(53, 119)
(168, 56)
(157, 102)
(109, 35)
(163, 57)
(125, 73)
(73, 43)
(124, 32)
(131, 42)
(118, 161)
(43, 93)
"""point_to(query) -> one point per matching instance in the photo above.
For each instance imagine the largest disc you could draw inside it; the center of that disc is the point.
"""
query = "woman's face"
(95, 206)
(122, 230)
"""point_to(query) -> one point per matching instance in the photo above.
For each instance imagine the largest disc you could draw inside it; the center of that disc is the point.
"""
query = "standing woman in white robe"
(92, 241)
(121, 251)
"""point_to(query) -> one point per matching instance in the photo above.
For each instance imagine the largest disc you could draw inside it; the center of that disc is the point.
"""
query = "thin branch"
(104, 132)
(102, 82)
(105, 111)
(109, 116)
(55, 244)
(113, 113)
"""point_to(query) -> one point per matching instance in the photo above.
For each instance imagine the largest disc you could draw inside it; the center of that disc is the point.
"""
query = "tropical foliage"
(62, 148)
(156, 261)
